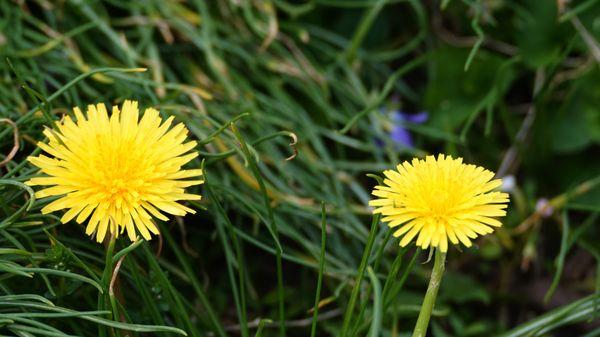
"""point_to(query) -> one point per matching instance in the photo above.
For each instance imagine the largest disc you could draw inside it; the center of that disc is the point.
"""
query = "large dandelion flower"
(439, 200)
(118, 171)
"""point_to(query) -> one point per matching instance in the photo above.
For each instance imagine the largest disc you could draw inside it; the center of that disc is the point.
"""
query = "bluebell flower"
(399, 134)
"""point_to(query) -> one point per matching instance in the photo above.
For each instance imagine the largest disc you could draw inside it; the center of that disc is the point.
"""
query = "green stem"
(432, 290)
(105, 281)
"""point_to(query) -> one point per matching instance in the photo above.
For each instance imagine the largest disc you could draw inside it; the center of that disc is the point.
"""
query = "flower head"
(439, 200)
(118, 171)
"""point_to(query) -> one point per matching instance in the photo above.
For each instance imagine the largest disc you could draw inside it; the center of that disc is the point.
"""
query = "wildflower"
(118, 171)
(439, 200)
(399, 134)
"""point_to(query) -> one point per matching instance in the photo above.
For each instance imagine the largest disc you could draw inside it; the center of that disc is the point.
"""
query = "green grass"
(285, 98)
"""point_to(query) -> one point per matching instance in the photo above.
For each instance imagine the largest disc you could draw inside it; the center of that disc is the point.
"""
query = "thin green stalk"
(115, 310)
(432, 290)
(105, 282)
(360, 275)
(116, 261)
(313, 329)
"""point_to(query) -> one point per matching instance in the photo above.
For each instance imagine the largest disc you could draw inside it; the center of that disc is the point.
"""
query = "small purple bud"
(401, 136)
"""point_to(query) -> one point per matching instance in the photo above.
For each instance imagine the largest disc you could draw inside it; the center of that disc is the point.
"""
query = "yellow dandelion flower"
(118, 171)
(439, 200)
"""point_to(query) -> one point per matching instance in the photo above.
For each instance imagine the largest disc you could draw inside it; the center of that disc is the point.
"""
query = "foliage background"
(510, 85)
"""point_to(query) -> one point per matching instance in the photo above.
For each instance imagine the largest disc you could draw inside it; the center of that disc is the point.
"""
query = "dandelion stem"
(432, 290)
(105, 281)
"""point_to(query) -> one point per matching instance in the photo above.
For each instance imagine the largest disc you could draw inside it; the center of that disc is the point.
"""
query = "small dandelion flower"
(439, 200)
(118, 171)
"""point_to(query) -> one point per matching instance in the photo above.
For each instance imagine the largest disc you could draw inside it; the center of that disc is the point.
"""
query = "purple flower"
(399, 134)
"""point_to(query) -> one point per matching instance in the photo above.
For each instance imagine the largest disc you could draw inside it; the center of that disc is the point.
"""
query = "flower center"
(118, 175)
(117, 186)
(441, 202)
